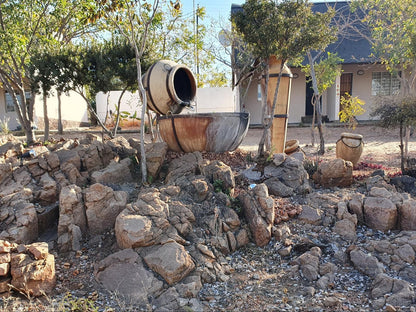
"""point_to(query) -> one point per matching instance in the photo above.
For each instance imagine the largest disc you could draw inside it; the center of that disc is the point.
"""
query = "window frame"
(9, 104)
(385, 84)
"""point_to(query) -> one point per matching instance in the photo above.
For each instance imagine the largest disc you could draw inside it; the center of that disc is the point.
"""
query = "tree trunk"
(406, 142)
(317, 106)
(106, 109)
(46, 119)
(319, 124)
(313, 102)
(144, 107)
(401, 148)
(94, 114)
(118, 111)
(60, 126)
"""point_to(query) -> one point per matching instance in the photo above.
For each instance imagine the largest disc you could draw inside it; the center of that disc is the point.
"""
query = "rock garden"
(211, 232)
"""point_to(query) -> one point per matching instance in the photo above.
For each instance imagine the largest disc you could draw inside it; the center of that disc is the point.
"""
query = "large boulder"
(33, 273)
(102, 206)
(366, 263)
(155, 156)
(258, 209)
(143, 223)
(121, 147)
(124, 273)
(337, 172)
(392, 291)
(20, 223)
(115, 172)
(407, 215)
(95, 155)
(380, 213)
(219, 173)
(5, 172)
(49, 192)
(72, 219)
(171, 261)
(188, 164)
(289, 171)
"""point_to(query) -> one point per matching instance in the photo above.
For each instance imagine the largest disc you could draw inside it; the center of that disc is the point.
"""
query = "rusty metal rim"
(204, 115)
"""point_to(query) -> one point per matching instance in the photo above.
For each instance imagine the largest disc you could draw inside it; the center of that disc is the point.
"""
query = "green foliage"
(4, 125)
(350, 108)
(395, 111)
(327, 69)
(310, 166)
(286, 29)
(392, 25)
(69, 303)
(30, 27)
(219, 187)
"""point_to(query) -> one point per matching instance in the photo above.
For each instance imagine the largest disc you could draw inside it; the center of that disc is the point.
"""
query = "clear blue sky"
(215, 9)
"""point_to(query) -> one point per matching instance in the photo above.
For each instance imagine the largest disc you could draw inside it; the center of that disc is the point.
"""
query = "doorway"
(345, 85)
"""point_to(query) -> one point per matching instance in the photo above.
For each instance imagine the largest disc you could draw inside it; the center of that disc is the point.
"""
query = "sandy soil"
(381, 146)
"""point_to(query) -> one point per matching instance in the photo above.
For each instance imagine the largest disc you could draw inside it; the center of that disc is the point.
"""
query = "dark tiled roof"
(352, 47)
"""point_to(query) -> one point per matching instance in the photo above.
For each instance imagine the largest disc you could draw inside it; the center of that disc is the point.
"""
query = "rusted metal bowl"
(213, 132)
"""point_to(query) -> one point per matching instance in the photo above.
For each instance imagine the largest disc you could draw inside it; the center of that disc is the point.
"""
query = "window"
(9, 101)
(259, 92)
(384, 83)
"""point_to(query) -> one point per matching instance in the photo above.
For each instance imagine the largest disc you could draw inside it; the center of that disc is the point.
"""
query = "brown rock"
(124, 273)
(356, 206)
(407, 215)
(242, 238)
(34, 277)
(5, 257)
(49, 193)
(134, 231)
(346, 229)
(365, 263)
(103, 205)
(5, 246)
(155, 156)
(4, 269)
(311, 215)
(115, 172)
(337, 172)
(218, 171)
(5, 172)
(39, 250)
(25, 227)
(72, 219)
(171, 261)
(380, 213)
(4, 284)
(258, 209)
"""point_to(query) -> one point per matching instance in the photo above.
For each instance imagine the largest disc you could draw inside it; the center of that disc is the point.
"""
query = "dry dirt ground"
(381, 146)
(253, 285)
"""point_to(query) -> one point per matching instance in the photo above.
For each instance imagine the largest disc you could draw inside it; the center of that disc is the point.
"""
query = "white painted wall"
(216, 100)
(297, 96)
(73, 106)
(130, 102)
(74, 109)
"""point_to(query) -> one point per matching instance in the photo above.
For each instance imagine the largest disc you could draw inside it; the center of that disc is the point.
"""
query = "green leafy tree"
(392, 26)
(27, 27)
(133, 20)
(322, 73)
(287, 29)
(397, 111)
(350, 108)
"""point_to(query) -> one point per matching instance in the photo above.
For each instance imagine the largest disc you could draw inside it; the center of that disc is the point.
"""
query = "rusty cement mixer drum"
(210, 132)
(169, 87)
